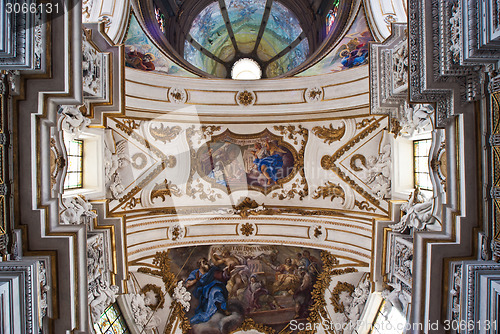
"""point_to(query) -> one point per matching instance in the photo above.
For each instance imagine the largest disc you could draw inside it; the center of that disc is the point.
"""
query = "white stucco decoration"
(418, 214)
(182, 296)
(76, 210)
(73, 121)
(381, 14)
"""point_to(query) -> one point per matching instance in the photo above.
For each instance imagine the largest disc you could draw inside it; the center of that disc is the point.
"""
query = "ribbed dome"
(278, 35)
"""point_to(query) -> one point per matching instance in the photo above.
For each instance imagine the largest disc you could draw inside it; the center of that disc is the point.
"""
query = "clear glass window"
(74, 173)
(111, 321)
(421, 164)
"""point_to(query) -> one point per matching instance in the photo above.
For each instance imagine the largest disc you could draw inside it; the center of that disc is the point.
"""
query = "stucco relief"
(73, 120)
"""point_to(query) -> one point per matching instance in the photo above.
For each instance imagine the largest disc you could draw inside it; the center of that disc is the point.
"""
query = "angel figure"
(271, 162)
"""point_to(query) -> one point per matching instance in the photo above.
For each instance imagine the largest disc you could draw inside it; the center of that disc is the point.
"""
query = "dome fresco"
(208, 32)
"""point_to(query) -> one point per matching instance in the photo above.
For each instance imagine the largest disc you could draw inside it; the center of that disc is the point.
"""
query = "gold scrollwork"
(162, 190)
(329, 134)
(132, 203)
(355, 158)
(328, 162)
(250, 324)
(364, 122)
(330, 189)
(165, 134)
(396, 127)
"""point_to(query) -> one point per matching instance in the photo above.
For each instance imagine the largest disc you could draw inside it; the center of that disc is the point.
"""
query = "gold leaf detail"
(331, 190)
(165, 134)
(339, 306)
(164, 190)
(329, 134)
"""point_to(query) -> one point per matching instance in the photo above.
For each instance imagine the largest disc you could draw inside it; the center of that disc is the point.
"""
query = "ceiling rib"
(225, 16)
(200, 48)
(296, 42)
(263, 24)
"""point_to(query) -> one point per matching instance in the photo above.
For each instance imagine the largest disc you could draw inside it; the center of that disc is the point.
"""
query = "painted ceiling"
(246, 17)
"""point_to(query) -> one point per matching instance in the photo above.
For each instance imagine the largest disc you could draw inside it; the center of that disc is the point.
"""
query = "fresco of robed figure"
(235, 162)
(269, 284)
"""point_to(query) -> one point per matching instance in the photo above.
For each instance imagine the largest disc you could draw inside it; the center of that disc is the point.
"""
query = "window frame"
(420, 171)
(79, 169)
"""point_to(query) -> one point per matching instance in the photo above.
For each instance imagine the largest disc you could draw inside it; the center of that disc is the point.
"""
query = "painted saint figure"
(140, 60)
(271, 164)
(210, 289)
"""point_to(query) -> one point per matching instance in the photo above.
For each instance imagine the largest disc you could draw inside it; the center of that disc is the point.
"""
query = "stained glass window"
(111, 321)
(330, 17)
(74, 173)
(421, 164)
(160, 18)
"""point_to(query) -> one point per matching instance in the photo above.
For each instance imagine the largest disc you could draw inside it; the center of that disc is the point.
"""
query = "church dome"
(209, 37)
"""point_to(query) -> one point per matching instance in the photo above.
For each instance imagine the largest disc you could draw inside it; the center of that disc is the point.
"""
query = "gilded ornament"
(338, 305)
(165, 134)
(250, 324)
(355, 158)
(176, 233)
(329, 134)
(160, 298)
(396, 127)
(164, 190)
(245, 98)
(364, 122)
(131, 123)
(317, 232)
(329, 190)
(132, 203)
(247, 229)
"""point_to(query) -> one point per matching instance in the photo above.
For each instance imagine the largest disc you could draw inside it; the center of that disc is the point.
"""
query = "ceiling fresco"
(350, 52)
(245, 17)
(289, 61)
(142, 54)
(231, 288)
(343, 164)
(209, 32)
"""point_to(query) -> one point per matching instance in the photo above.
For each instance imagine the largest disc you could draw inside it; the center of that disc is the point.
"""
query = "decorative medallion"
(177, 95)
(176, 232)
(245, 98)
(314, 94)
(317, 233)
(247, 229)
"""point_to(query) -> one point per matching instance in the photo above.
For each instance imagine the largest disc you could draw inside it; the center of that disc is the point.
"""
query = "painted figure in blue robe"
(209, 284)
(356, 57)
(271, 164)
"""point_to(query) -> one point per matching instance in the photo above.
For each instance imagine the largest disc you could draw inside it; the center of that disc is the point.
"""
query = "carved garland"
(318, 309)
(338, 306)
